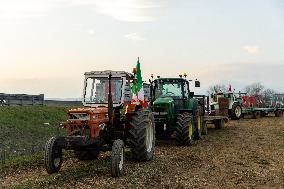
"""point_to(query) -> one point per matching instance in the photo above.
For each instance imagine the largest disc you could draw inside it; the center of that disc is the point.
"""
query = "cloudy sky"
(47, 45)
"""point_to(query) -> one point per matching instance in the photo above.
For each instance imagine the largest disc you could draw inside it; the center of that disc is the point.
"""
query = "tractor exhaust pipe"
(110, 102)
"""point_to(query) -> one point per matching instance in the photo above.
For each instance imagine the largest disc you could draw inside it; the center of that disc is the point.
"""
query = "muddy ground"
(246, 154)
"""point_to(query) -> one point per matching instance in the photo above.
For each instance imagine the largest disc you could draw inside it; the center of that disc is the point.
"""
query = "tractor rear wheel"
(219, 124)
(117, 158)
(204, 128)
(52, 156)
(86, 154)
(184, 131)
(142, 135)
(236, 112)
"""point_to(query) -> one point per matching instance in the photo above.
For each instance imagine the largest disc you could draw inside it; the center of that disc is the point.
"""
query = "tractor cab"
(174, 91)
(98, 84)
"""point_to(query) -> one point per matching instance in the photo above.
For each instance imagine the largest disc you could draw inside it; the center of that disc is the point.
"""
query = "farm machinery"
(109, 121)
(177, 111)
(241, 104)
(258, 106)
(235, 104)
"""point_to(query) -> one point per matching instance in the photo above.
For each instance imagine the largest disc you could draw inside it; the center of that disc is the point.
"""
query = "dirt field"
(246, 154)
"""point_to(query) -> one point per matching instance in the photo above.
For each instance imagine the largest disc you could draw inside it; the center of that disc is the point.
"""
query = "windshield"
(97, 90)
(169, 89)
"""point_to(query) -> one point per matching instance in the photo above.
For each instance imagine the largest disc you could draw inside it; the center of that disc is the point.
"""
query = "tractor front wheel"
(117, 158)
(236, 112)
(184, 132)
(52, 156)
(142, 135)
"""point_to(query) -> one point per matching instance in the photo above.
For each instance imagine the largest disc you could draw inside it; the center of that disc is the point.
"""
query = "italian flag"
(137, 87)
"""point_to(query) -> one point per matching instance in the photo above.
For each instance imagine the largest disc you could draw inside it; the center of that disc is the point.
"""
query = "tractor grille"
(79, 116)
(160, 108)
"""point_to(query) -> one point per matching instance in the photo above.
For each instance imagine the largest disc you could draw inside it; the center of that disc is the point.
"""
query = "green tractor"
(177, 113)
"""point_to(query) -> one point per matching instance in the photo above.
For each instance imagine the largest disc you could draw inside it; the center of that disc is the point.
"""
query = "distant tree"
(216, 88)
(268, 94)
(254, 89)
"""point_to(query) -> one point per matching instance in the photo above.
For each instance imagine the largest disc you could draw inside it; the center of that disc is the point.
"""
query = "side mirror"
(197, 83)
(191, 94)
(211, 96)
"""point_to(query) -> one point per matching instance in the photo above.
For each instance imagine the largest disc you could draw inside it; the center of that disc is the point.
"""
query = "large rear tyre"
(142, 135)
(236, 112)
(184, 132)
(86, 154)
(117, 158)
(52, 156)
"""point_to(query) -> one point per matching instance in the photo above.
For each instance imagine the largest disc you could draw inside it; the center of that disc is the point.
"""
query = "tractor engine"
(87, 122)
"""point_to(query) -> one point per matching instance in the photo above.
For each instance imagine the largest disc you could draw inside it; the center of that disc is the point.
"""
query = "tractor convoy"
(241, 104)
(121, 112)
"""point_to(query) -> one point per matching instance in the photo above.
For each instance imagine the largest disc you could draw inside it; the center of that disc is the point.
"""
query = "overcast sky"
(47, 45)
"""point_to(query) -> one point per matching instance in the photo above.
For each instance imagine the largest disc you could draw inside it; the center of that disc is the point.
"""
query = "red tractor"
(109, 121)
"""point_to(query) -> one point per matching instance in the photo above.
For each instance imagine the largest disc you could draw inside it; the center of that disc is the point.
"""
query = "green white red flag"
(137, 87)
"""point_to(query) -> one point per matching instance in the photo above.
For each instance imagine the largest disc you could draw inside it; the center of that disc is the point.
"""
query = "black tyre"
(142, 135)
(278, 113)
(263, 114)
(52, 156)
(204, 128)
(117, 158)
(197, 125)
(219, 124)
(256, 114)
(236, 112)
(86, 154)
(184, 131)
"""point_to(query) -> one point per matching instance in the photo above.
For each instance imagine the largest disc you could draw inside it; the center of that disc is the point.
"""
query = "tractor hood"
(88, 110)
(163, 100)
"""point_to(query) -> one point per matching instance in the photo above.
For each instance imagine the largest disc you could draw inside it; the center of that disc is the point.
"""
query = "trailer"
(257, 106)
(219, 118)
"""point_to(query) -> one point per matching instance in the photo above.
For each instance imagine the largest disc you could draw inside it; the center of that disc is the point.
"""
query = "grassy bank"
(25, 129)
